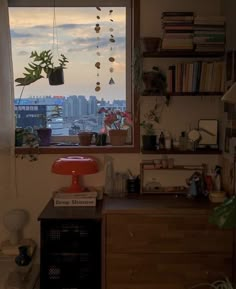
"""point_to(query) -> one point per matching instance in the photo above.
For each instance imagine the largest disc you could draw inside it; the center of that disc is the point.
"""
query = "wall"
(34, 180)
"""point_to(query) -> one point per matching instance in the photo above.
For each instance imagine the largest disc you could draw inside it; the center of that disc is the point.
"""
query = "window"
(74, 34)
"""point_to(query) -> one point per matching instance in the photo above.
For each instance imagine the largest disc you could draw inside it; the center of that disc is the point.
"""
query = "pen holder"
(133, 186)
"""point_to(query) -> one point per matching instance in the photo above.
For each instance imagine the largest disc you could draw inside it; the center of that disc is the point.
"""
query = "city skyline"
(32, 29)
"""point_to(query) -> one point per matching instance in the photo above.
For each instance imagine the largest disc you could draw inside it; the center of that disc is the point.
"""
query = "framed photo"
(209, 131)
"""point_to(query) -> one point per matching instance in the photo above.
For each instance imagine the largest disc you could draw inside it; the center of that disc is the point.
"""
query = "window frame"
(133, 100)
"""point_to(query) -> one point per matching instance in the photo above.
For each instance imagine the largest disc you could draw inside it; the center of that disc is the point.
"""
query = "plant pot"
(151, 44)
(56, 76)
(118, 136)
(19, 136)
(85, 138)
(101, 139)
(149, 142)
(44, 135)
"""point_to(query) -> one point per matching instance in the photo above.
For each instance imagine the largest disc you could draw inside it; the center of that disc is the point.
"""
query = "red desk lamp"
(75, 166)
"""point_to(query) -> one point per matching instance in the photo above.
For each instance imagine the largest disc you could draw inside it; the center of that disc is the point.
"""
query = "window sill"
(92, 149)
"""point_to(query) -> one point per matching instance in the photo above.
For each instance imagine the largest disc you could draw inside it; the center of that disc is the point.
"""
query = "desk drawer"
(168, 271)
(156, 234)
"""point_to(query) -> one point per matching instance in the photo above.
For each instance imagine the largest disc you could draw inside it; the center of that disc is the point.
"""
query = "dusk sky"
(32, 29)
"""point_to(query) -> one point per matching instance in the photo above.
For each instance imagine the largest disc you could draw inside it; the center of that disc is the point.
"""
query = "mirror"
(208, 129)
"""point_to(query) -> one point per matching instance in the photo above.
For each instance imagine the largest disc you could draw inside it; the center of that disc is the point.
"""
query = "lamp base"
(12, 250)
(75, 185)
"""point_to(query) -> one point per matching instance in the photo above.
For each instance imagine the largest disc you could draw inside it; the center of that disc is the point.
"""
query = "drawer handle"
(131, 234)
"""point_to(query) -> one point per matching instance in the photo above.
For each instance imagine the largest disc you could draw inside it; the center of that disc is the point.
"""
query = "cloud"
(80, 43)
(20, 35)
(72, 26)
(41, 27)
(22, 53)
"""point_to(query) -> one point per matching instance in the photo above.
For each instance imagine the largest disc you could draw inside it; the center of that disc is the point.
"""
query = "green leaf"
(224, 216)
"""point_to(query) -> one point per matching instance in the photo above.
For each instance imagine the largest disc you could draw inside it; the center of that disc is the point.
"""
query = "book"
(75, 202)
(81, 199)
(64, 195)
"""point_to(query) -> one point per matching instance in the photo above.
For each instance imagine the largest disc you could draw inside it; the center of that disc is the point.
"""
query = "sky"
(75, 37)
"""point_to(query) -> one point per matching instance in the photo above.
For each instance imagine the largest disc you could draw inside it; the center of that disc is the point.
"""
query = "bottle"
(183, 141)
(162, 141)
(168, 141)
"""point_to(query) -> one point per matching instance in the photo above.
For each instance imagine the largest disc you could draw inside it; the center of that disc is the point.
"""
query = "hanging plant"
(41, 66)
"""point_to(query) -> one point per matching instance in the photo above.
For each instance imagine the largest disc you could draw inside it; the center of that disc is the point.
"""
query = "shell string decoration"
(97, 29)
(112, 41)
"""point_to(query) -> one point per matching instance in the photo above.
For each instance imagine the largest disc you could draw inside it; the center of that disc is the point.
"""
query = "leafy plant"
(150, 118)
(42, 65)
(31, 141)
(148, 127)
(115, 118)
(155, 82)
(224, 215)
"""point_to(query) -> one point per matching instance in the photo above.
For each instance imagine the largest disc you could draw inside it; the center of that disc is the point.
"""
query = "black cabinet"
(70, 249)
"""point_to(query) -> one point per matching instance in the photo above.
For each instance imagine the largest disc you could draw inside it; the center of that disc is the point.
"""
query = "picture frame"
(209, 131)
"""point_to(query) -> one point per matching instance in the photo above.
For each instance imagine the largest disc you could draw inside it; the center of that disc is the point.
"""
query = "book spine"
(83, 202)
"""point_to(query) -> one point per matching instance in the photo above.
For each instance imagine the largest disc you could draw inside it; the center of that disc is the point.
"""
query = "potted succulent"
(116, 124)
(42, 65)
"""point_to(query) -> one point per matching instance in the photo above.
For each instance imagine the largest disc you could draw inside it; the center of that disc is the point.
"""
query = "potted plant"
(116, 124)
(42, 65)
(149, 136)
(150, 118)
(28, 138)
(155, 82)
(44, 132)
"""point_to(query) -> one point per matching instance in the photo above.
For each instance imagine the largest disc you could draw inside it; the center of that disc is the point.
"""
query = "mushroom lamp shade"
(75, 166)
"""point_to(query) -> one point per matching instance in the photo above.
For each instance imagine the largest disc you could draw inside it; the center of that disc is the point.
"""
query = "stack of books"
(81, 199)
(178, 30)
(209, 33)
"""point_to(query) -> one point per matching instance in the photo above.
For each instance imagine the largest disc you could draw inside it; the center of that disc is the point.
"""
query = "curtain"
(7, 124)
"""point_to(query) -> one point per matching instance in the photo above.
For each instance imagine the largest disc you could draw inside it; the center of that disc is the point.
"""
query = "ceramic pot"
(118, 136)
(85, 138)
(149, 142)
(44, 135)
(151, 44)
(23, 259)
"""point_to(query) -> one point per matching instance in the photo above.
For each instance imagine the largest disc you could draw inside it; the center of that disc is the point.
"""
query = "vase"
(23, 259)
(118, 136)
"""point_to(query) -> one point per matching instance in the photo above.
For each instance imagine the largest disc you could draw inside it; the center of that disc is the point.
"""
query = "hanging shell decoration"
(112, 41)
(97, 29)
(111, 59)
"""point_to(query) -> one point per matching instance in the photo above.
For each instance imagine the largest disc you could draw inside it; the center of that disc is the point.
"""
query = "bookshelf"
(203, 151)
(182, 54)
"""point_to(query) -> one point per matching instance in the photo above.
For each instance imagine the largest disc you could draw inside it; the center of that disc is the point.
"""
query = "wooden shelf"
(175, 168)
(153, 93)
(178, 152)
(182, 53)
